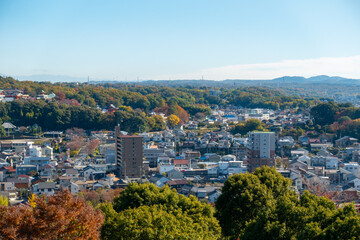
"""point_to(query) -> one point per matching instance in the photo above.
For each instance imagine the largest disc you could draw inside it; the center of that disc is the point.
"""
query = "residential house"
(345, 141)
(353, 167)
(174, 174)
(158, 180)
(212, 196)
(46, 188)
(181, 163)
(78, 186)
(65, 181)
(177, 183)
(74, 173)
(88, 171)
(202, 192)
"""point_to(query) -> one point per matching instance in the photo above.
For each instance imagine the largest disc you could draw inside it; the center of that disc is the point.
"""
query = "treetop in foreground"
(144, 210)
(56, 217)
(263, 206)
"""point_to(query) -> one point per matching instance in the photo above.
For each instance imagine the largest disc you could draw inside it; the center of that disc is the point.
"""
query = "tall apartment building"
(129, 155)
(261, 150)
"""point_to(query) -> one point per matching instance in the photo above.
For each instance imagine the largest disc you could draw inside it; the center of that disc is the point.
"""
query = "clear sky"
(153, 39)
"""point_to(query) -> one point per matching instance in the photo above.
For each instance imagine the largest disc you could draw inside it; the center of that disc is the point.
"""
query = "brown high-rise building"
(129, 155)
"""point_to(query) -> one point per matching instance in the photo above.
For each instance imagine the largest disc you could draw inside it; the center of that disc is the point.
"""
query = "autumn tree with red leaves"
(75, 131)
(60, 96)
(92, 145)
(95, 197)
(76, 143)
(56, 217)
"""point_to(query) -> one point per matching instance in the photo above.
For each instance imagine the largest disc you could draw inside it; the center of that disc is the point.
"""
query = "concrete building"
(35, 151)
(129, 155)
(23, 169)
(40, 162)
(329, 162)
(152, 153)
(261, 150)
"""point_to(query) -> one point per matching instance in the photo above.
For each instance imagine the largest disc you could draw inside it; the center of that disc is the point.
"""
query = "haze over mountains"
(281, 80)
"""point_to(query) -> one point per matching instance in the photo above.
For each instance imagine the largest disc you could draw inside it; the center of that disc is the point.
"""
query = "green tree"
(274, 181)
(324, 113)
(2, 131)
(164, 199)
(249, 126)
(150, 222)
(344, 119)
(262, 206)
(156, 123)
(309, 217)
(243, 198)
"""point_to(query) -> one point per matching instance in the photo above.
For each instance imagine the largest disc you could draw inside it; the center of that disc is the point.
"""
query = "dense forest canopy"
(80, 104)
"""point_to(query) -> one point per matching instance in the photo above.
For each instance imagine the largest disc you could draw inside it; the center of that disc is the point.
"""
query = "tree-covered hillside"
(80, 104)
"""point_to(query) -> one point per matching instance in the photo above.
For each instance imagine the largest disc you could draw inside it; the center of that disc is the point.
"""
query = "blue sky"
(150, 39)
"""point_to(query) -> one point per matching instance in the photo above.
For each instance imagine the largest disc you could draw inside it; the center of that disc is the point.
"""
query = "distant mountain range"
(322, 79)
(318, 79)
(277, 82)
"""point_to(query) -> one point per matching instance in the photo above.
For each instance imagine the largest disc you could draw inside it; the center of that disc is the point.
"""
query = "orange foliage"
(182, 114)
(58, 217)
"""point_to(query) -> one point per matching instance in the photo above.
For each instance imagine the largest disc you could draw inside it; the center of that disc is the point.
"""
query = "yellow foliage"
(73, 153)
(173, 120)
(32, 200)
(4, 201)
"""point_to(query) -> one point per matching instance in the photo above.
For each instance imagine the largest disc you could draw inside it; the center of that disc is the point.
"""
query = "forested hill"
(80, 104)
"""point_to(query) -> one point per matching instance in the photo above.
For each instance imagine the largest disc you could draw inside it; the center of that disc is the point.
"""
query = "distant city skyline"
(161, 40)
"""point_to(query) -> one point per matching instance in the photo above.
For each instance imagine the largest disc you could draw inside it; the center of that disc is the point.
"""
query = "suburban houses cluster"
(190, 158)
(9, 95)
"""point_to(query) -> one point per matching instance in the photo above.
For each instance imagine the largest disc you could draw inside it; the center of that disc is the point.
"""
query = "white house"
(46, 188)
(352, 167)
(356, 183)
(228, 157)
